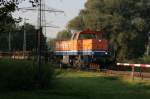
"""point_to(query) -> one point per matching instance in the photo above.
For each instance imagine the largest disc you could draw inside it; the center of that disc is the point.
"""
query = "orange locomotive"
(86, 49)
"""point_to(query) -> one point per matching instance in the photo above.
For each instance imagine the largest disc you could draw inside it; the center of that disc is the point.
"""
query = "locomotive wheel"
(77, 65)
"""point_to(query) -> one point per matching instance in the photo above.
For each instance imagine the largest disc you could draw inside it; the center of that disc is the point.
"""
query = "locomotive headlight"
(100, 40)
(106, 53)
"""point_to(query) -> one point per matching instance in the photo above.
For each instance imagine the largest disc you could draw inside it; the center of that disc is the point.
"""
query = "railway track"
(138, 75)
(18, 55)
(129, 73)
(122, 71)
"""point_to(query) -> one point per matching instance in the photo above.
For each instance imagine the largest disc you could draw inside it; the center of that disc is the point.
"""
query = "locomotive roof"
(88, 31)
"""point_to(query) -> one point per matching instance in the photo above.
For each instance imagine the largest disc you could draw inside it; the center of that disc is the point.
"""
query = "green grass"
(87, 85)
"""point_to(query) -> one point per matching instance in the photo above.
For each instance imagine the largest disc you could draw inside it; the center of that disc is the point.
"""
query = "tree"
(124, 22)
(8, 24)
(64, 35)
(6, 19)
(51, 44)
(17, 38)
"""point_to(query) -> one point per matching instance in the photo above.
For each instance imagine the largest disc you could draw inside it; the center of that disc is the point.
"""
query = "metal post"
(148, 46)
(141, 73)
(24, 39)
(39, 43)
(60, 65)
(9, 40)
(132, 74)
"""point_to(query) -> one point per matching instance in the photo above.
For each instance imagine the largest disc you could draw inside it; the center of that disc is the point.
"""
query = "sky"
(70, 7)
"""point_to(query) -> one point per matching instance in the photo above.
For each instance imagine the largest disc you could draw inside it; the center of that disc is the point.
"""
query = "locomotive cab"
(86, 35)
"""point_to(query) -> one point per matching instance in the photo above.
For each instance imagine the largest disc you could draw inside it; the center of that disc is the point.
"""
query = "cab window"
(87, 36)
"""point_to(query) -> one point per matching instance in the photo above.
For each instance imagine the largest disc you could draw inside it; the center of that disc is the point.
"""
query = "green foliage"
(77, 23)
(46, 75)
(64, 35)
(8, 24)
(87, 85)
(124, 22)
(17, 35)
(17, 2)
(51, 44)
(146, 59)
(24, 75)
(6, 18)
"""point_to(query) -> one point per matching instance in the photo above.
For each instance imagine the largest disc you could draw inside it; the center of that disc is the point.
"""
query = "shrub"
(146, 59)
(45, 76)
(24, 74)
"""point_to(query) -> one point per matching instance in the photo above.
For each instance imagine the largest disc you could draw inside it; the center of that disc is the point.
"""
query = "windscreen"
(87, 36)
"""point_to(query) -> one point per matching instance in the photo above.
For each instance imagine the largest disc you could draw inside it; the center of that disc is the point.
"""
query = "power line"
(41, 21)
(47, 10)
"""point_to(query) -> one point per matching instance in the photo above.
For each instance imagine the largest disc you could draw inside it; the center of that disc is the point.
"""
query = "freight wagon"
(86, 50)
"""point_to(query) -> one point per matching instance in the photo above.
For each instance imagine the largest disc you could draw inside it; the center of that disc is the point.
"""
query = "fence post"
(141, 72)
(60, 65)
(132, 74)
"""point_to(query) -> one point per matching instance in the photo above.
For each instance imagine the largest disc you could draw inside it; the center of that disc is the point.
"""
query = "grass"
(87, 85)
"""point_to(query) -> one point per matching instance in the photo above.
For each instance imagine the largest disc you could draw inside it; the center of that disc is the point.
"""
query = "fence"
(15, 55)
(133, 66)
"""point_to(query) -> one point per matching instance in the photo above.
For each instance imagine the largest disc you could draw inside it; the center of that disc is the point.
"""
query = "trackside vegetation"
(86, 85)
(24, 75)
(126, 23)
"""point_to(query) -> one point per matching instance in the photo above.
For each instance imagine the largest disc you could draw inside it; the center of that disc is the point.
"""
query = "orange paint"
(83, 44)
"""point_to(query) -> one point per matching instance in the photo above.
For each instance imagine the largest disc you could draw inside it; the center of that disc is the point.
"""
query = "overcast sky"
(71, 8)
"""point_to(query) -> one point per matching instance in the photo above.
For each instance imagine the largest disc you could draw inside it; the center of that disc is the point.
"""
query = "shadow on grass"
(91, 87)
(100, 87)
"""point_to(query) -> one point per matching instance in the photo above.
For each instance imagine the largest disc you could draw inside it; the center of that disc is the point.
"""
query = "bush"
(24, 75)
(146, 59)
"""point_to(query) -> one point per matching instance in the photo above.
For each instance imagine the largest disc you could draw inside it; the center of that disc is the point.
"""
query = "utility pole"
(41, 24)
(9, 40)
(39, 34)
(11, 26)
(42, 49)
(24, 38)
